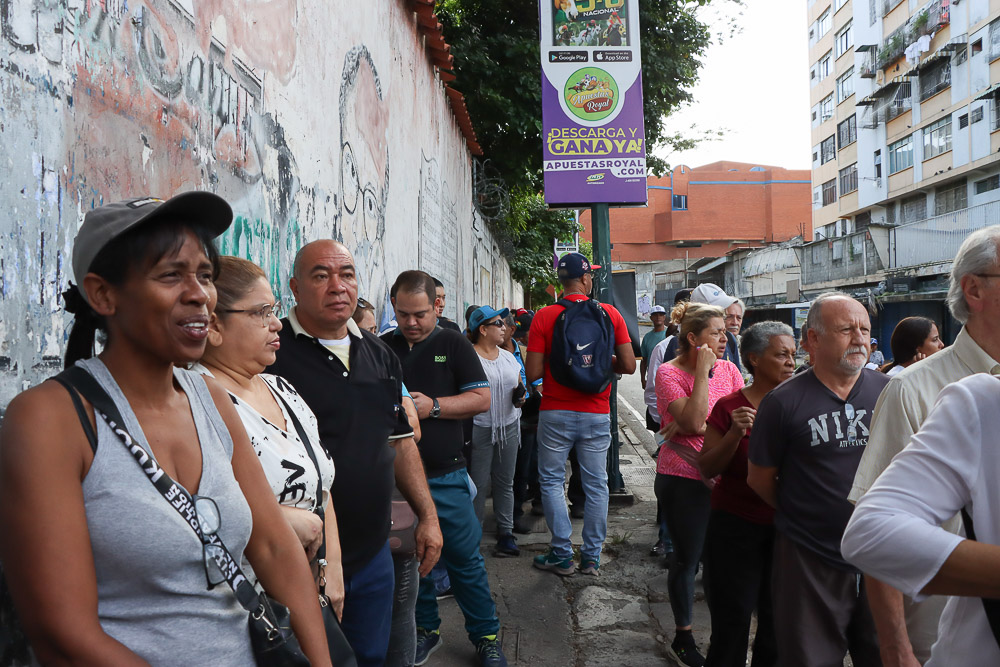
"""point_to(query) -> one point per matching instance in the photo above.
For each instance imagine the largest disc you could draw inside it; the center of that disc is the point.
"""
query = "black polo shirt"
(358, 413)
(443, 364)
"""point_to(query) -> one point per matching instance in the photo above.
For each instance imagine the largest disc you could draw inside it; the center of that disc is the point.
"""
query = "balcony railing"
(927, 21)
(937, 239)
(841, 258)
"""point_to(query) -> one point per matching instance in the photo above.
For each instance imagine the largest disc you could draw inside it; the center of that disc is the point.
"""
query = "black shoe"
(427, 642)
(685, 655)
(576, 511)
(658, 549)
(489, 652)
(506, 546)
(445, 594)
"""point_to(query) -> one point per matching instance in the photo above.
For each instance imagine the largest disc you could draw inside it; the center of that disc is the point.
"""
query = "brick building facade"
(708, 211)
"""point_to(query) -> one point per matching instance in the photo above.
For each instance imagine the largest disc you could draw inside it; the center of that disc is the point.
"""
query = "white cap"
(712, 295)
(657, 309)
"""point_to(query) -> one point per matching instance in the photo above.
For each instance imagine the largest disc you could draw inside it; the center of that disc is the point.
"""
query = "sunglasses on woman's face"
(495, 323)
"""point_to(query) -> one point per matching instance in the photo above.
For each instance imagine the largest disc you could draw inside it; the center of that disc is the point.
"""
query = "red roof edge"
(439, 55)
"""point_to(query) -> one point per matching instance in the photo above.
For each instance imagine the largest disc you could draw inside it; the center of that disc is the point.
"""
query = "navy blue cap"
(574, 265)
(484, 314)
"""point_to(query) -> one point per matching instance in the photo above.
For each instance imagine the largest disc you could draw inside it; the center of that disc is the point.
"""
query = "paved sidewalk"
(620, 618)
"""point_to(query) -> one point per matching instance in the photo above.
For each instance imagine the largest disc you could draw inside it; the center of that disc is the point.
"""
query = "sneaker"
(658, 549)
(445, 594)
(685, 656)
(506, 546)
(550, 561)
(589, 566)
(489, 652)
(428, 641)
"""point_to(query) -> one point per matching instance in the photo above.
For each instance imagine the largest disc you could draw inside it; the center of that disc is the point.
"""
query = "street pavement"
(620, 618)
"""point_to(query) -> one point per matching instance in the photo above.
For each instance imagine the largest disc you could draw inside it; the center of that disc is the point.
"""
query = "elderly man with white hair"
(907, 630)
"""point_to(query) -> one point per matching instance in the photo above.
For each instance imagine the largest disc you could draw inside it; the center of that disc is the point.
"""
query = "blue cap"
(874, 341)
(574, 265)
(485, 314)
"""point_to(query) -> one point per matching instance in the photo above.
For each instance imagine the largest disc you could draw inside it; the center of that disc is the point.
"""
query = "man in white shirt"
(906, 629)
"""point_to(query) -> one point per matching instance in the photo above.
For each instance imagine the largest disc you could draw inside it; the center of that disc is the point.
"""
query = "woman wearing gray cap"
(100, 567)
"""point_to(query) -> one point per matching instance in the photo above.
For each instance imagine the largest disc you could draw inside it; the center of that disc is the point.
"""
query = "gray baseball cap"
(105, 223)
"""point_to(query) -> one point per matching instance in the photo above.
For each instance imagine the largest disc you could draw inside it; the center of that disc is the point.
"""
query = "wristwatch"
(436, 410)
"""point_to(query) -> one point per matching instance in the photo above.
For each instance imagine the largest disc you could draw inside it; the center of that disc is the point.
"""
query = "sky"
(754, 84)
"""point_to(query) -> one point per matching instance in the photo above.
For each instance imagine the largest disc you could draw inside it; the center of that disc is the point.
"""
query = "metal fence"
(937, 239)
(840, 258)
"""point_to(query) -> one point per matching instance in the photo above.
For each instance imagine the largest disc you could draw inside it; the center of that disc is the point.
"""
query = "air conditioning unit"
(901, 284)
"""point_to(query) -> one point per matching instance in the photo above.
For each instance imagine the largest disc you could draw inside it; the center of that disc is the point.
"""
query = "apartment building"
(905, 119)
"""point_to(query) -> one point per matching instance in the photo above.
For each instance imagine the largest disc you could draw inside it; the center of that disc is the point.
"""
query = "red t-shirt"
(732, 494)
(556, 396)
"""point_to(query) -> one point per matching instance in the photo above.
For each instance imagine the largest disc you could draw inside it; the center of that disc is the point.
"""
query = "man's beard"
(846, 364)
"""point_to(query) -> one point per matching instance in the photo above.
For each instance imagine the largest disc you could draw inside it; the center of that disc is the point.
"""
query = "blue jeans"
(367, 620)
(560, 431)
(466, 568)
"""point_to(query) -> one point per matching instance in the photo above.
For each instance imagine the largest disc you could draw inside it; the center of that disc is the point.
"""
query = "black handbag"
(341, 652)
(271, 637)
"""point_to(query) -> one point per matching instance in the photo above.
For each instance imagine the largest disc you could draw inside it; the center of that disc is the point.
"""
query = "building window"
(847, 132)
(995, 105)
(937, 138)
(951, 198)
(963, 121)
(977, 114)
(823, 67)
(994, 41)
(838, 4)
(935, 78)
(817, 197)
(830, 192)
(826, 108)
(901, 155)
(848, 179)
(828, 149)
(680, 202)
(845, 40)
(845, 85)
(914, 209)
(823, 24)
(878, 163)
(987, 184)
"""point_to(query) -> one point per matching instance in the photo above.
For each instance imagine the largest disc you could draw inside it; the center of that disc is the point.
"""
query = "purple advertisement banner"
(594, 148)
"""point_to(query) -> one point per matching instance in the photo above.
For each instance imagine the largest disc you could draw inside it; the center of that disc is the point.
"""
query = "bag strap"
(177, 497)
(990, 606)
(81, 412)
(320, 511)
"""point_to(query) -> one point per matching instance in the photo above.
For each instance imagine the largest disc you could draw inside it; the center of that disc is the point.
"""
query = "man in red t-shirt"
(570, 419)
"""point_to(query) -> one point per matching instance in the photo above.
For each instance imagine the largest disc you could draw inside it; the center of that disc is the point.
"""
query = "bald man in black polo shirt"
(353, 384)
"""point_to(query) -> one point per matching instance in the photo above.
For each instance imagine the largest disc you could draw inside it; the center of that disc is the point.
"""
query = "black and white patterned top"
(282, 454)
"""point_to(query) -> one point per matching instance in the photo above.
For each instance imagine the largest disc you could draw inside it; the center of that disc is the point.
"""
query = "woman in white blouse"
(496, 434)
(242, 342)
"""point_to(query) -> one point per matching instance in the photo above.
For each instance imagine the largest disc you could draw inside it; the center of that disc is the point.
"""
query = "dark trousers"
(403, 638)
(821, 612)
(526, 473)
(687, 503)
(367, 619)
(737, 583)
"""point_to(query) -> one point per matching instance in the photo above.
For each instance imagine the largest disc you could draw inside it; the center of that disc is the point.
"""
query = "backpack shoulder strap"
(69, 380)
(990, 606)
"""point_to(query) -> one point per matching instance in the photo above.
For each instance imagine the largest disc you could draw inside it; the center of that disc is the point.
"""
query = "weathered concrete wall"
(313, 118)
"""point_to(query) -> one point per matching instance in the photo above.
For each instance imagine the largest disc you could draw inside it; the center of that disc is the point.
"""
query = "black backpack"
(583, 340)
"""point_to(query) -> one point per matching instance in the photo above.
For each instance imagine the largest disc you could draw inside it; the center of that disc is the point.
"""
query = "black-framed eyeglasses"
(210, 520)
(263, 312)
(852, 430)
(495, 323)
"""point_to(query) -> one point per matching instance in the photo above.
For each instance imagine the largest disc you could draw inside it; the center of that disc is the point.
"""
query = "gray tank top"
(151, 585)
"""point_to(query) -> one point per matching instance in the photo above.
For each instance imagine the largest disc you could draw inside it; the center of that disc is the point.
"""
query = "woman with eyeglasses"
(101, 567)
(242, 342)
(496, 434)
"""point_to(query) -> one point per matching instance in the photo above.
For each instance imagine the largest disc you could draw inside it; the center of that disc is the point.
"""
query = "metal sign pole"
(601, 229)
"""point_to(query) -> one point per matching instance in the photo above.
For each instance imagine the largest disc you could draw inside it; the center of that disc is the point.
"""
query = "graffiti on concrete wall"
(292, 114)
(439, 232)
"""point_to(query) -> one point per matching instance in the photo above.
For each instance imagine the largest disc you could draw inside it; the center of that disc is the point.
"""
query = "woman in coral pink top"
(686, 391)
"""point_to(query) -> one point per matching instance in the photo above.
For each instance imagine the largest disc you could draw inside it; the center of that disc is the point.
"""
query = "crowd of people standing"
(333, 466)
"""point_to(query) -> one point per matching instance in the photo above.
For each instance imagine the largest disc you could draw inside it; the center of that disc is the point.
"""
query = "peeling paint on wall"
(293, 114)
